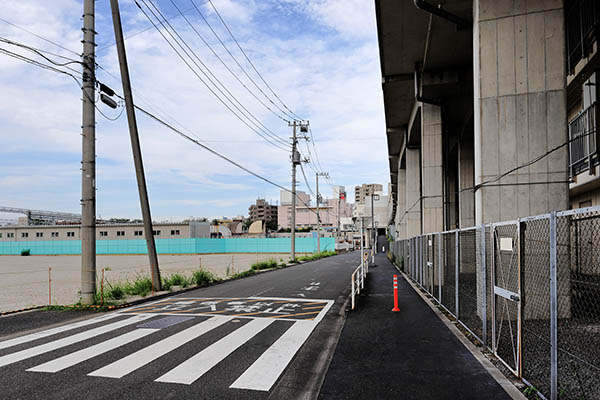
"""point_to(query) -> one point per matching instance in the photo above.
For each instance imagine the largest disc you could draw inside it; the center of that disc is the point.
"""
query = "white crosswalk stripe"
(266, 368)
(82, 355)
(264, 372)
(57, 344)
(49, 332)
(192, 369)
(126, 365)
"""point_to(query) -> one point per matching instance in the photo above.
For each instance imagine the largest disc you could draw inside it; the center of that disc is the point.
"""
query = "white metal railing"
(357, 280)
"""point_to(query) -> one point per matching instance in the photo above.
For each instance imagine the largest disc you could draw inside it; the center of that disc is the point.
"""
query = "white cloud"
(333, 81)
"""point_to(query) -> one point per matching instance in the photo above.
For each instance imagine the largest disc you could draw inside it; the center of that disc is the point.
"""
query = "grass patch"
(244, 274)
(317, 256)
(269, 264)
(202, 277)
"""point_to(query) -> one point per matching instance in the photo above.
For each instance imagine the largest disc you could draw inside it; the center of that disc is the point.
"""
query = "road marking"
(192, 369)
(266, 370)
(306, 313)
(53, 331)
(79, 337)
(128, 364)
(82, 355)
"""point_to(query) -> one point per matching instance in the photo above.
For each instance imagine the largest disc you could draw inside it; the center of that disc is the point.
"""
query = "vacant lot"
(24, 280)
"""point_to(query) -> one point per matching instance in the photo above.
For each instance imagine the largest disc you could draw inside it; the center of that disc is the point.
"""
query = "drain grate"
(164, 322)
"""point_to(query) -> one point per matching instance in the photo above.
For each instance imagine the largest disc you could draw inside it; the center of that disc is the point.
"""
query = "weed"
(270, 264)
(202, 277)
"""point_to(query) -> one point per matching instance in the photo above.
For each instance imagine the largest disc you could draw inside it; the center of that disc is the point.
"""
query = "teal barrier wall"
(170, 246)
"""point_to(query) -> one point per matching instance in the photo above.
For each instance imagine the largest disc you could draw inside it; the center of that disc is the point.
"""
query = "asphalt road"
(267, 336)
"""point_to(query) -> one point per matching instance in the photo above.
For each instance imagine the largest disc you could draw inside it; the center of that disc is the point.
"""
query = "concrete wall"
(401, 205)
(431, 168)
(466, 179)
(520, 110)
(413, 192)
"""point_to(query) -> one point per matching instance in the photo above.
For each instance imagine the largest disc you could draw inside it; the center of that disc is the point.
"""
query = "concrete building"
(181, 230)
(360, 192)
(481, 99)
(376, 217)
(330, 211)
(263, 211)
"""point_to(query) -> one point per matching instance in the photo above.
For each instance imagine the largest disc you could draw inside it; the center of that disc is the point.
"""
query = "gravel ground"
(24, 280)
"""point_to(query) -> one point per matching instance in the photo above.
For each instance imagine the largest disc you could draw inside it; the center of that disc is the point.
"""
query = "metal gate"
(506, 306)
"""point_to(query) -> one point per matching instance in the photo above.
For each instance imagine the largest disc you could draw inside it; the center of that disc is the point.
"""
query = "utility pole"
(135, 146)
(326, 175)
(295, 161)
(373, 234)
(88, 161)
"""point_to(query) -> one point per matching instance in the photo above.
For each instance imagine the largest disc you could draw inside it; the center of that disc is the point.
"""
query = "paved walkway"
(406, 355)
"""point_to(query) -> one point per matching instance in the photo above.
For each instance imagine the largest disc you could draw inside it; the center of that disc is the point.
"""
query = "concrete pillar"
(466, 179)
(520, 110)
(413, 192)
(401, 205)
(431, 167)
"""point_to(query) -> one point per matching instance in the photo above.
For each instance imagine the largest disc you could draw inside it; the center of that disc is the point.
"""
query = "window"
(54, 234)
(10, 235)
(175, 232)
(70, 234)
(138, 233)
(39, 234)
(103, 233)
(0, 235)
(24, 234)
(120, 233)
(156, 233)
(587, 203)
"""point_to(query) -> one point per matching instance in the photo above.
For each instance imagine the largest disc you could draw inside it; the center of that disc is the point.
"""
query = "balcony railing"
(582, 17)
(582, 135)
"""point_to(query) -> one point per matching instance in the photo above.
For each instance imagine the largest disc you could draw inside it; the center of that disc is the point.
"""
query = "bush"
(25, 252)
(203, 277)
(140, 287)
(115, 292)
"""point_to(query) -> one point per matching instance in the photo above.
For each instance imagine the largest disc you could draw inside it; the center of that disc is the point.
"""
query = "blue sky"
(320, 57)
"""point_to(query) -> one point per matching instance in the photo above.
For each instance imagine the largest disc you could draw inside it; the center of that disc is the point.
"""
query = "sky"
(320, 57)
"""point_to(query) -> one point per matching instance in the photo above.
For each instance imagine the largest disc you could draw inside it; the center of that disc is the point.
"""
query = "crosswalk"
(131, 342)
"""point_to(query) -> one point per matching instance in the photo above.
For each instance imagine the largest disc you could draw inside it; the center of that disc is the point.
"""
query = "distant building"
(330, 211)
(180, 230)
(263, 211)
(285, 197)
(361, 192)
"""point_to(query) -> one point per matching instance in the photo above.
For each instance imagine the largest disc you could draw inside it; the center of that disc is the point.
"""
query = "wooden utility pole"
(135, 146)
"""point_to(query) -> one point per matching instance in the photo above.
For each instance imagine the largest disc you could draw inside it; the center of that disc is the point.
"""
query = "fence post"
(457, 259)
(553, 311)
(440, 263)
(484, 291)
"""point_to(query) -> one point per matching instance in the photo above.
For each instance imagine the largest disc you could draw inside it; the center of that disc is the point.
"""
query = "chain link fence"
(527, 290)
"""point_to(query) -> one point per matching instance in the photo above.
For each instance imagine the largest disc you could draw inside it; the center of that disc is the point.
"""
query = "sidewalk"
(410, 354)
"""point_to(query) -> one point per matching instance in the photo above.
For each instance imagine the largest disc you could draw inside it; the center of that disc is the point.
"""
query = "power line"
(40, 37)
(227, 67)
(240, 65)
(258, 123)
(504, 174)
(249, 61)
(243, 120)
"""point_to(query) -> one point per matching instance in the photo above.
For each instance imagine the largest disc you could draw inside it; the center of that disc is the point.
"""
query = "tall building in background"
(366, 189)
(262, 210)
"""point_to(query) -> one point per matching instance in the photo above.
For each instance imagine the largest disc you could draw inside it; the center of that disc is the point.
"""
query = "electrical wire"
(227, 66)
(250, 62)
(200, 78)
(106, 46)
(40, 37)
(291, 116)
(504, 174)
(257, 122)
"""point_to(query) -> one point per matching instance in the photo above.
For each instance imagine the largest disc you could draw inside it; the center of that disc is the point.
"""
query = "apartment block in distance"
(361, 192)
(263, 211)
